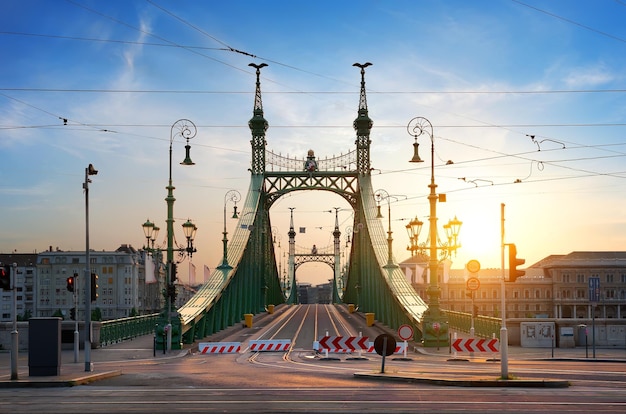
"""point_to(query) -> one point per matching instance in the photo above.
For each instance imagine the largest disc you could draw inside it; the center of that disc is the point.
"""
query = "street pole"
(90, 170)
(76, 340)
(14, 334)
(504, 338)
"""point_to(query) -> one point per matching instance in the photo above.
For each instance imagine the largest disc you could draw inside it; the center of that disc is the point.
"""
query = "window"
(609, 278)
(580, 278)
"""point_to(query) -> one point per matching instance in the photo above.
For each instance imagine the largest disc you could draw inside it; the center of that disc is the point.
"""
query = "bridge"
(251, 282)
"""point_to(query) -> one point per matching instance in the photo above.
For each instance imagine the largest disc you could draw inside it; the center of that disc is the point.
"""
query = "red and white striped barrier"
(476, 345)
(342, 344)
(400, 348)
(219, 347)
(279, 345)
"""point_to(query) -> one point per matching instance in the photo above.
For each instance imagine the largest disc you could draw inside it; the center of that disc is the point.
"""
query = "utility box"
(44, 347)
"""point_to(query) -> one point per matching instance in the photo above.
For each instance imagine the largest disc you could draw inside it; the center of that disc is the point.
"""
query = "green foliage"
(96, 315)
(25, 316)
(133, 313)
(58, 314)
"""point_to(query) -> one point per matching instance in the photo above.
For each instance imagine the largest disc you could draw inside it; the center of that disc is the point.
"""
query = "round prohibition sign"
(473, 283)
(405, 332)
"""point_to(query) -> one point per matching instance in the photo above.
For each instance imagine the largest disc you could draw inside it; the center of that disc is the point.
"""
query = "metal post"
(76, 340)
(14, 334)
(504, 337)
(593, 329)
(88, 365)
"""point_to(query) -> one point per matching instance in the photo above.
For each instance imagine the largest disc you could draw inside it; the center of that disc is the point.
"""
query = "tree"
(133, 312)
(58, 314)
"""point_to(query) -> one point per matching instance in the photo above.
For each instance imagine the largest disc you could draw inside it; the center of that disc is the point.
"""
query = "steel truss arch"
(277, 184)
(300, 259)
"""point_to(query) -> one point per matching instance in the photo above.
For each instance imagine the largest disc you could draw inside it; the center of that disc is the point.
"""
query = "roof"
(22, 259)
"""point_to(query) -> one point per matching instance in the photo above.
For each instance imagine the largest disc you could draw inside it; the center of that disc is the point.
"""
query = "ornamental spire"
(362, 125)
(258, 125)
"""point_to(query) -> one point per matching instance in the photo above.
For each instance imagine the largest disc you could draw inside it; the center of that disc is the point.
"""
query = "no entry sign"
(405, 332)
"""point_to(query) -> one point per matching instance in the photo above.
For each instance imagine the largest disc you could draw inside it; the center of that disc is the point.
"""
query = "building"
(556, 287)
(25, 294)
(117, 282)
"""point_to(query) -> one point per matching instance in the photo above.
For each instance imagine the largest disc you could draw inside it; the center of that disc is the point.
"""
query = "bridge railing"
(117, 330)
(484, 326)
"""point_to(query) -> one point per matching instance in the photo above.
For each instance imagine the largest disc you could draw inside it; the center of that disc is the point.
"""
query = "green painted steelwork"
(119, 330)
(253, 282)
(484, 326)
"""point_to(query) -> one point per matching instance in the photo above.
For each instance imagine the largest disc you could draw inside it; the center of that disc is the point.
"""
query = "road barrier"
(219, 347)
(342, 344)
(476, 345)
(280, 345)
(400, 347)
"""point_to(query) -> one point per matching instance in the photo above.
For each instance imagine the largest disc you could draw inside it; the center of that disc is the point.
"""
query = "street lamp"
(90, 170)
(187, 130)
(414, 228)
(434, 324)
(234, 196)
(381, 195)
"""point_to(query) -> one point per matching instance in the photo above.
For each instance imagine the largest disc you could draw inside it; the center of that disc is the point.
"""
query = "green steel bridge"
(249, 281)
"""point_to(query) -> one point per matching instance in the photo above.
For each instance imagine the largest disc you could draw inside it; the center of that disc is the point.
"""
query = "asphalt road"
(303, 381)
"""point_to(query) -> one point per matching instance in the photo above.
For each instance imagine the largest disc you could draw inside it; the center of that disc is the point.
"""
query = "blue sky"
(487, 74)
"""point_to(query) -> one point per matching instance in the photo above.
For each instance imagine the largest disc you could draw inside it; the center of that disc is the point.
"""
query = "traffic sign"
(594, 289)
(473, 266)
(405, 332)
(385, 344)
(472, 283)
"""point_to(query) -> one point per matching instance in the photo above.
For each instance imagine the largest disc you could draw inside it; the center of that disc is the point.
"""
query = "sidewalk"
(74, 373)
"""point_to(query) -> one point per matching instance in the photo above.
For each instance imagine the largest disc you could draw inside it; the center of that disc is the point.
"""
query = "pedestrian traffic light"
(5, 277)
(94, 287)
(70, 284)
(513, 263)
(475, 313)
(173, 274)
(73, 314)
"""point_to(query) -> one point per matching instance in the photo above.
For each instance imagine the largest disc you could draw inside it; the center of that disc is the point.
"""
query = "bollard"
(351, 308)
(248, 318)
(270, 309)
(369, 318)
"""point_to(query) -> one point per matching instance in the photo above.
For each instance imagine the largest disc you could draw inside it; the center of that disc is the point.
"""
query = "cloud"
(591, 76)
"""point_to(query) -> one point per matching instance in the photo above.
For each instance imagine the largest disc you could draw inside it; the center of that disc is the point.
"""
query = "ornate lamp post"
(434, 324)
(187, 130)
(382, 195)
(234, 196)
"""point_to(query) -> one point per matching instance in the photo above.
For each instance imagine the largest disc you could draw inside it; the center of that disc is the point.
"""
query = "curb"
(545, 383)
(59, 382)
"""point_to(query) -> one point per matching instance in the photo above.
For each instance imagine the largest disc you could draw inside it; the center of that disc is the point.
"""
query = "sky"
(526, 98)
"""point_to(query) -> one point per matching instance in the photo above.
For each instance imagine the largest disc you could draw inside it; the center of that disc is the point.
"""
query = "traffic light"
(94, 287)
(475, 313)
(70, 284)
(73, 314)
(173, 275)
(513, 263)
(5, 277)
(171, 293)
